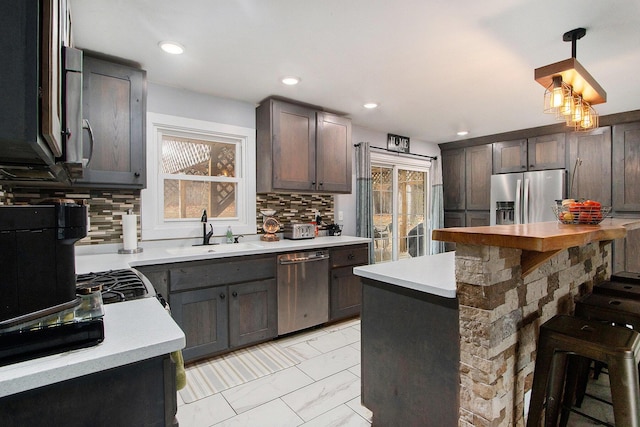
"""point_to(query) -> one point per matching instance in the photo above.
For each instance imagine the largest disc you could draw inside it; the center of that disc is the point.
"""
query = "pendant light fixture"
(570, 89)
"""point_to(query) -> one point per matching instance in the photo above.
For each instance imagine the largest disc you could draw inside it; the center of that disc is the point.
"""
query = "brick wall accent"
(500, 314)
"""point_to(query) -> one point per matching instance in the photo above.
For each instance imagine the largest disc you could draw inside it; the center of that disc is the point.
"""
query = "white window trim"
(153, 225)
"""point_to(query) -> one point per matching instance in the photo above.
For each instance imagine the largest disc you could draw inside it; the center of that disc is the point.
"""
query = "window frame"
(153, 224)
(395, 162)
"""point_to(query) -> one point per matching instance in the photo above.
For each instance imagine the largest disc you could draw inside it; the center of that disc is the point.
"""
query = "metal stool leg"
(577, 373)
(544, 358)
(555, 387)
(625, 392)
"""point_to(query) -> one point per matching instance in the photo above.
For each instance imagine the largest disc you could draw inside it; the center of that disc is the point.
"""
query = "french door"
(400, 188)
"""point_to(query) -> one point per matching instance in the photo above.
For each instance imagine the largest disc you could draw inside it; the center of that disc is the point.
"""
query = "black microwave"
(41, 92)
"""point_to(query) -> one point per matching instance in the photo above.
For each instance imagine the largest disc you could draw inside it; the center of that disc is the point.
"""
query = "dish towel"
(181, 375)
(176, 356)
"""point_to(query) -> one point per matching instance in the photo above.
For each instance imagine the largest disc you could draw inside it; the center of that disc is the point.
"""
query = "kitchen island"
(410, 346)
(509, 279)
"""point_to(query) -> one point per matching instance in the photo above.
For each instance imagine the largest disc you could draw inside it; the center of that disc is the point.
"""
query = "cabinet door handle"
(235, 294)
(313, 183)
(222, 296)
(321, 183)
(351, 256)
(137, 174)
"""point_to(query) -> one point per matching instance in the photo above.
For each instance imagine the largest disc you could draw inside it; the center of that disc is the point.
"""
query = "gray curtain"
(437, 209)
(364, 199)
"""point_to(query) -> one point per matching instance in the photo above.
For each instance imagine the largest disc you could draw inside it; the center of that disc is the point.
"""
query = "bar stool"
(627, 277)
(619, 311)
(621, 285)
(618, 289)
(617, 346)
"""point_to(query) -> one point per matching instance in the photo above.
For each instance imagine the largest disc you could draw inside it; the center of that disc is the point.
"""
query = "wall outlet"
(340, 216)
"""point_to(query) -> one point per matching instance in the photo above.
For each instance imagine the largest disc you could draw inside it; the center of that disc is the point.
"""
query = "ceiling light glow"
(370, 105)
(291, 81)
(463, 133)
(171, 47)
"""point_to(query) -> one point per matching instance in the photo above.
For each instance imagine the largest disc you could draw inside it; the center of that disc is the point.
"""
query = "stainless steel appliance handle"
(303, 259)
(86, 125)
(518, 218)
(525, 213)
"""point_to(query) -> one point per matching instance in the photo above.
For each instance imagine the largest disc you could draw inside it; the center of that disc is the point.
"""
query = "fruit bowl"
(581, 213)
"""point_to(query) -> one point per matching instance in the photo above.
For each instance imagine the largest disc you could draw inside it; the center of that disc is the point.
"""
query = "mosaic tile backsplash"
(291, 208)
(107, 206)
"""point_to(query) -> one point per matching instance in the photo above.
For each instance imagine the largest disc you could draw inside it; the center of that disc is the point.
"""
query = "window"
(194, 165)
(400, 206)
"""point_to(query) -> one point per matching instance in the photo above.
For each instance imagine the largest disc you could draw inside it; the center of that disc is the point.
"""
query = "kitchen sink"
(221, 248)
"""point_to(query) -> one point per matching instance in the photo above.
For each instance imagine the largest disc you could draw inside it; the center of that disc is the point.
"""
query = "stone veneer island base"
(509, 279)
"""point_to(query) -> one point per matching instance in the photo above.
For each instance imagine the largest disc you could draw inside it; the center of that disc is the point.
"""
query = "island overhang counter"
(509, 280)
(475, 338)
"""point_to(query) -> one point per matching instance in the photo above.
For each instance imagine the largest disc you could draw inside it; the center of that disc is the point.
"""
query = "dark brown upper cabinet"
(546, 152)
(302, 149)
(510, 156)
(114, 104)
(532, 154)
(453, 179)
(478, 177)
(626, 167)
(590, 177)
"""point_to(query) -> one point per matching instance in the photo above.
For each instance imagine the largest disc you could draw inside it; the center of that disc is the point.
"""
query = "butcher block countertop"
(538, 241)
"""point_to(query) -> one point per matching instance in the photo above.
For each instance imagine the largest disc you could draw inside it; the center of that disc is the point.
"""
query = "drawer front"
(349, 255)
(200, 274)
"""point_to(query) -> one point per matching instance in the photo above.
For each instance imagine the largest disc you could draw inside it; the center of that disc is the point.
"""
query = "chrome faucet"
(206, 236)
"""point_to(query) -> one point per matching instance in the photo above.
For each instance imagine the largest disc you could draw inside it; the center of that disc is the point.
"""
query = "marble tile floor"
(322, 390)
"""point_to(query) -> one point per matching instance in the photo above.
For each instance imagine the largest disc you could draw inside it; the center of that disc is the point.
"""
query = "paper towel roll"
(130, 232)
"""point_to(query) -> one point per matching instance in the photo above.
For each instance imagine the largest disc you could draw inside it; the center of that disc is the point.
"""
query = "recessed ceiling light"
(370, 105)
(290, 81)
(171, 47)
(463, 133)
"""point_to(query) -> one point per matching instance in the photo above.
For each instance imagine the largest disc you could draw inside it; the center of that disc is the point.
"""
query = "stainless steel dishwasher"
(303, 290)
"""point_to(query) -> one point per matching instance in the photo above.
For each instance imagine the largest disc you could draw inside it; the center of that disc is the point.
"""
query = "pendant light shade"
(570, 91)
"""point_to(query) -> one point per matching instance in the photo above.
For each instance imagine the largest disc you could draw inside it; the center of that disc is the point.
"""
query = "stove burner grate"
(117, 285)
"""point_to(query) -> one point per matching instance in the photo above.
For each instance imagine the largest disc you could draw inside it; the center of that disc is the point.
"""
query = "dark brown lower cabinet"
(626, 253)
(453, 219)
(203, 316)
(477, 218)
(410, 356)
(253, 315)
(139, 394)
(345, 292)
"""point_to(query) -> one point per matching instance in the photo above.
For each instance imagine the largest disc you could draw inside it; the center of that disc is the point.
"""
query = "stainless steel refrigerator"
(522, 198)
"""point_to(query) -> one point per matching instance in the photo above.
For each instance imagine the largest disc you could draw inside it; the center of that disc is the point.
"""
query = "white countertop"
(138, 329)
(434, 274)
(94, 258)
(133, 331)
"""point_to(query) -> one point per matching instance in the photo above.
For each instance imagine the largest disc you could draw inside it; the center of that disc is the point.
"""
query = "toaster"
(299, 231)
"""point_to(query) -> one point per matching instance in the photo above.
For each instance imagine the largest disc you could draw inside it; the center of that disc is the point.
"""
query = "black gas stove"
(77, 327)
(116, 285)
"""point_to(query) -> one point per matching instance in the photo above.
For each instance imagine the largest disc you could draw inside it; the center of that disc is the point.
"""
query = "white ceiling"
(434, 66)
